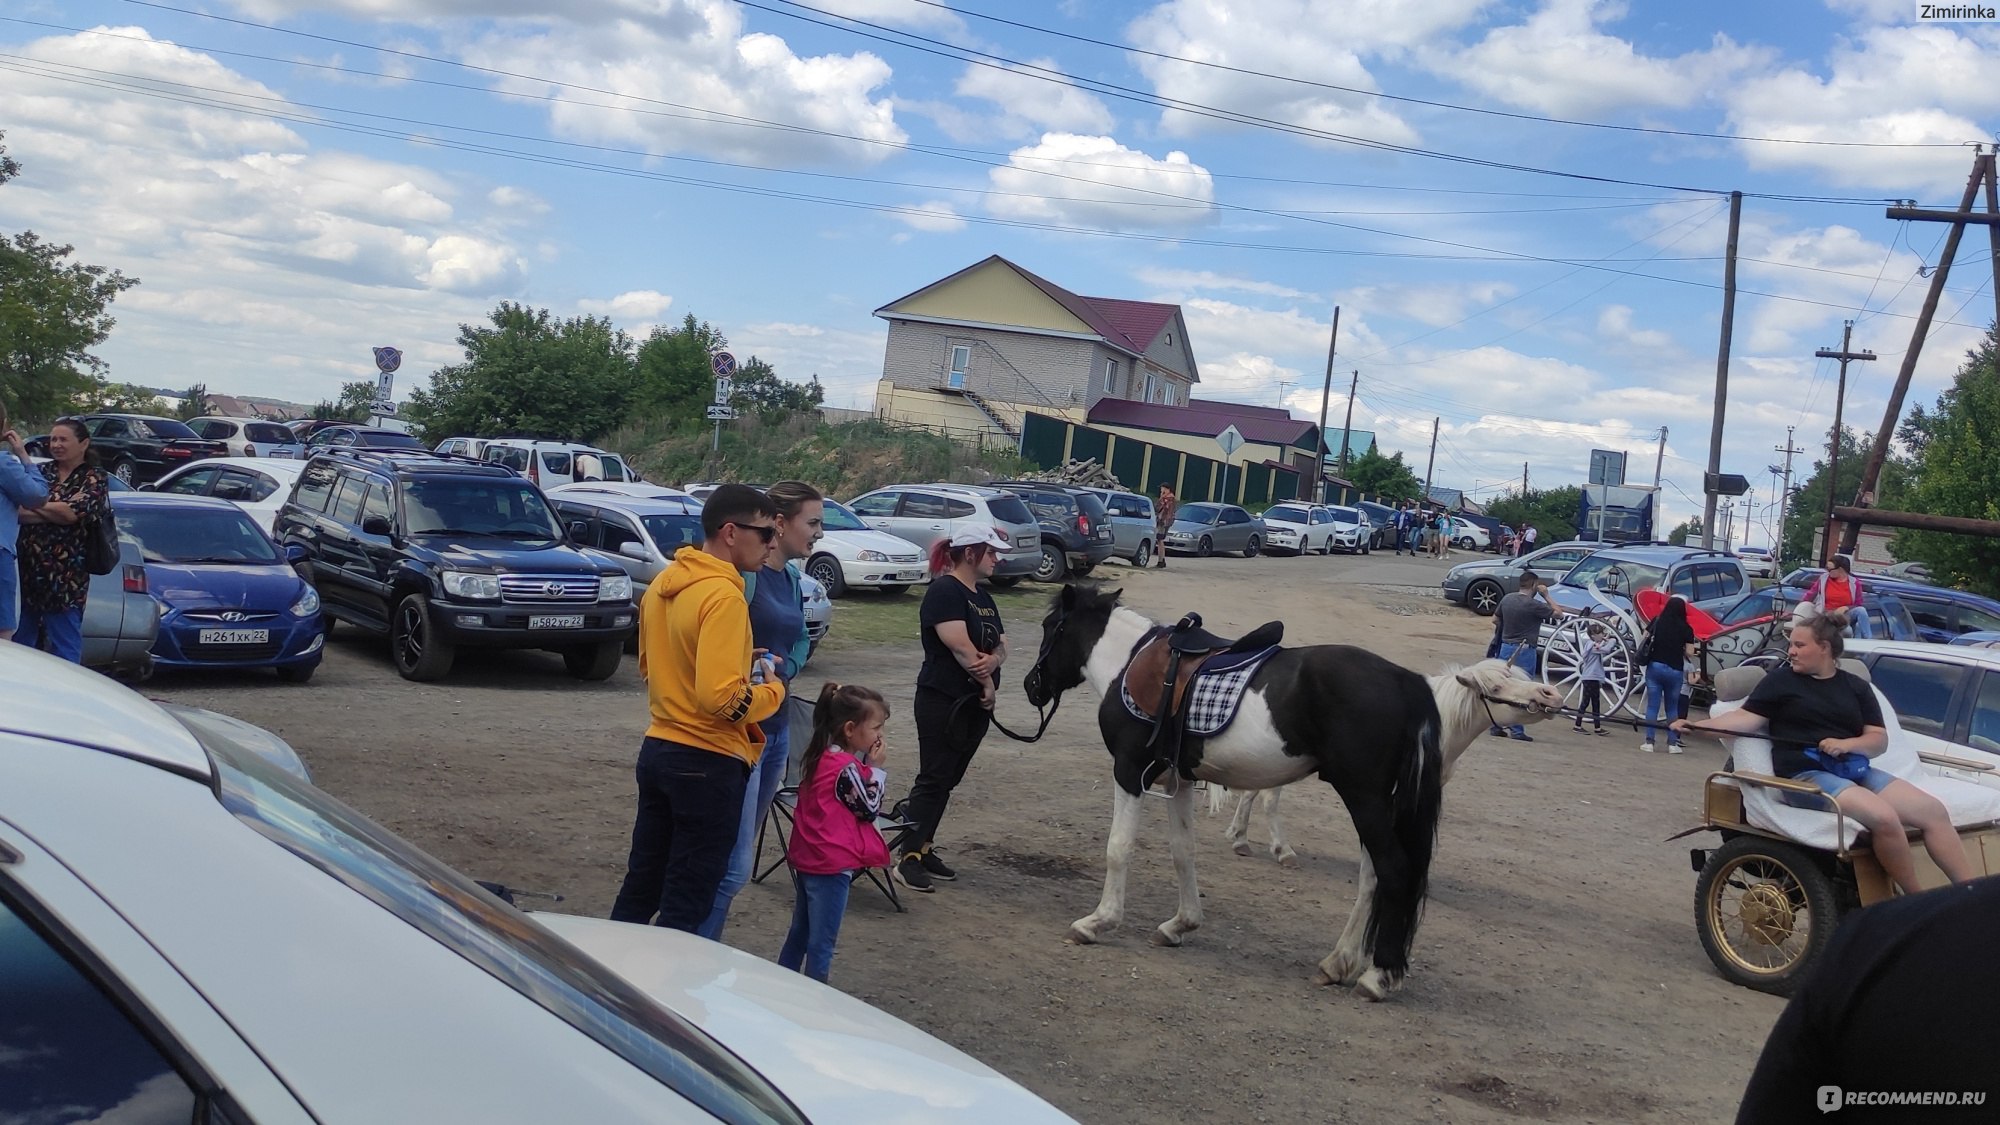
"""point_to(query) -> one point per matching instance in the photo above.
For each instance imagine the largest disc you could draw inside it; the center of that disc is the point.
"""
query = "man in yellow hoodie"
(707, 698)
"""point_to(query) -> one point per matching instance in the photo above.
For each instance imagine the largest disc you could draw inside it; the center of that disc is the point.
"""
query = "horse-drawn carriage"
(1759, 639)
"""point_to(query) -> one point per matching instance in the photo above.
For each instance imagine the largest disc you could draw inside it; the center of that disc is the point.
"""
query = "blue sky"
(295, 182)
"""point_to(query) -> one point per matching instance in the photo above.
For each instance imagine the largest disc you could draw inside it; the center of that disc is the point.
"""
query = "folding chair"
(779, 824)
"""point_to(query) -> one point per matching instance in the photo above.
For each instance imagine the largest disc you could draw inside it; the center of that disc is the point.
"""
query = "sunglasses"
(765, 532)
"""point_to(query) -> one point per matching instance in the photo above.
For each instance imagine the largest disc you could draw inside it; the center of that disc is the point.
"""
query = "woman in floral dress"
(54, 578)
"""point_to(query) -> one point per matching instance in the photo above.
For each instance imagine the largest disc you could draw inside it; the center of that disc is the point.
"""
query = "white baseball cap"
(972, 535)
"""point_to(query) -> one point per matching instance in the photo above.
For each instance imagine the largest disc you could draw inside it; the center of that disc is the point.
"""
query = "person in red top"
(833, 832)
(1836, 591)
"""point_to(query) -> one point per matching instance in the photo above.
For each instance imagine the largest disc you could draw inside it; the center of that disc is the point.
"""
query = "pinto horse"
(1366, 726)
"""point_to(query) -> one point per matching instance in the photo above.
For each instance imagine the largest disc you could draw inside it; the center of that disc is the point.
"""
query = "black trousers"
(690, 803)
(1592, 704)
(945, 745)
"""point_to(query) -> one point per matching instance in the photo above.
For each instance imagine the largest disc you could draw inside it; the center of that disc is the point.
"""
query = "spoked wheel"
(1764, 909)
(1562, 668)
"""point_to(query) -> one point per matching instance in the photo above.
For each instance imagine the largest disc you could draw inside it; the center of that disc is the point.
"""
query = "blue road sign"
(723, 364)
(388, 359)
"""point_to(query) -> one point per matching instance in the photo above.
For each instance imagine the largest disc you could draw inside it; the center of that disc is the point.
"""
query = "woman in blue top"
(777, 626)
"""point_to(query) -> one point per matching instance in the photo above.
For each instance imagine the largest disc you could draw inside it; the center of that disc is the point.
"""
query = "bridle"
(1029, 682)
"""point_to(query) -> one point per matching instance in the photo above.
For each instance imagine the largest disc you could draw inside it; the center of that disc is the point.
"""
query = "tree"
(1960, 461)
(52, 312)
(1550, 511)
(1689, 528)
(352, 404)
(675, 380)
(529, 374)
(1376, 475)
(194, 403)
(119, 398)
(759, 391)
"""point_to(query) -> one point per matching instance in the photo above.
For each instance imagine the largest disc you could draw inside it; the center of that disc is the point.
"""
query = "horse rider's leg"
(1343, 966)
(1280, 851)
(1180, 842)
(1238, 833)
(1117, 854)
(1927, 814)
(1892, 847)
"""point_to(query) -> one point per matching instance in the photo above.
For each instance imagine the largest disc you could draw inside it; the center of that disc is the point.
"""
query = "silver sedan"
(1205, 528)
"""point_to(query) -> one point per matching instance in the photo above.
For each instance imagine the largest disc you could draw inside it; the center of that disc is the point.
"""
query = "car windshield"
(838, 518)
(461, 916)
(1009, 509)
(1198, 513)
(269, 433)
(382, 440)
(1287, 514)
(196, 534)
(509, 508)
(1345, 515)
(1617, 576)
(671, 533)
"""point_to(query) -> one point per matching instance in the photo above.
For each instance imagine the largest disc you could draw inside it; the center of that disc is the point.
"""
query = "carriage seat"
(1970, 804)
(1185, 651)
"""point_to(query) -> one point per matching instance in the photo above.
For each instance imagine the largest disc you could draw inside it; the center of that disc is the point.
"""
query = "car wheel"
(1483, 598)
(126, 471)
(1366, 546)
(297, 673)
(1143, 557)
(1053, 567)
(419, 653)
(1465, 543)
(826, 570)
(1250, 548)
(1204, 548)
(594, 662)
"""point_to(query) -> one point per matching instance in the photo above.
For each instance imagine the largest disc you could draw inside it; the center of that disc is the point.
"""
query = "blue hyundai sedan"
(228, 595)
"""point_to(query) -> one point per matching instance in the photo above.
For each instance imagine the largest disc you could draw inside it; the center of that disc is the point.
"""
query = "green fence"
(1048, 442)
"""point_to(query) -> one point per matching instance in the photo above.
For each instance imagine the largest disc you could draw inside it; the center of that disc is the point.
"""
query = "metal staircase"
(992, 415)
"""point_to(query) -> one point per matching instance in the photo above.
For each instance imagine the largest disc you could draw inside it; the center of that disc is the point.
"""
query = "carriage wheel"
(1764, 910)
(1562, 669)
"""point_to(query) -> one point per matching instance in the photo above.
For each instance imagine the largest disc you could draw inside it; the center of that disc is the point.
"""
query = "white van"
(550, 463)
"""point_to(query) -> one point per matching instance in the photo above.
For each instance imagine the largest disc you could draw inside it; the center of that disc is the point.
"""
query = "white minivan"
(550, 463)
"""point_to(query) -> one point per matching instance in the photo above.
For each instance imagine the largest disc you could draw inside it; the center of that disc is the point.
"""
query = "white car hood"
(854, 542)
(835, 1057)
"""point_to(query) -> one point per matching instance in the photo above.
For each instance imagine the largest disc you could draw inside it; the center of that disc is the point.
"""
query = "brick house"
(975, 351)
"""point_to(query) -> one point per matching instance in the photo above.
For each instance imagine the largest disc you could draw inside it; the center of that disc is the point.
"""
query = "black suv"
(1076, 528)
(441, 553)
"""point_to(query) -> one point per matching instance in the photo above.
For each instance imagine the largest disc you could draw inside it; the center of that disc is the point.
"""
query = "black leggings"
(947, 737)
(1592, 704)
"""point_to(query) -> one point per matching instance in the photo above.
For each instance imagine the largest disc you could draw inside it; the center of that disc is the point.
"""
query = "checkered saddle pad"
(1216, 693)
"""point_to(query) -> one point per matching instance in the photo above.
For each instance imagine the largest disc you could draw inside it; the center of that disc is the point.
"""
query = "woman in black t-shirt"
(1669, 642)
(964, 646)
(1819, 717)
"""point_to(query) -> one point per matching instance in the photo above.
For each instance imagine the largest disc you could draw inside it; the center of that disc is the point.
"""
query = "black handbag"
(100, 545)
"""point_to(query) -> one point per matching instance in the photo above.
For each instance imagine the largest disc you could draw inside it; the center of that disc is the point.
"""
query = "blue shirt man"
(20, 487)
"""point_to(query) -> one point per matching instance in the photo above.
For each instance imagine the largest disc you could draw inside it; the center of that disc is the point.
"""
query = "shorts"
(10, 592)
(1833, 784)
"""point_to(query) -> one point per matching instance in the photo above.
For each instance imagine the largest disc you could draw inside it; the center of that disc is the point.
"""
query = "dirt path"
(1556, 977)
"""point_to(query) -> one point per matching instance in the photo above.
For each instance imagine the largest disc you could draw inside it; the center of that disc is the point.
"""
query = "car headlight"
(465, 584)
(308, 603)
(614, 588)
(872, 556)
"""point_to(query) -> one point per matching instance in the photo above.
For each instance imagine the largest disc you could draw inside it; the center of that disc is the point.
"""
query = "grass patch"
(864, 618)
(843, 459)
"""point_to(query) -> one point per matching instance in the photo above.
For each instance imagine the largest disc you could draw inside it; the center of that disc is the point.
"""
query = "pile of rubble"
(1087, 473)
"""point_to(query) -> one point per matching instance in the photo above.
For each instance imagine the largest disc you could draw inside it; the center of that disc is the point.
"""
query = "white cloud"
(508, 197)
(1182, 281)
(848, 362)
(631, 307)
(1436, 304)
(898, 12)
(933, 215)
(1031, 105)
(1560, 62)
(1614, 323)
(1099, 182)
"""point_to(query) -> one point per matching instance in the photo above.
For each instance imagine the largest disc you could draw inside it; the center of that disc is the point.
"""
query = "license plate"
(556, 621)
(234, 636)
(910, 576)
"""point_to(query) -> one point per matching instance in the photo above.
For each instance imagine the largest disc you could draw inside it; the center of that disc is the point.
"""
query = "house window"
(1111, 376)
(961, 359)
(1152, 387)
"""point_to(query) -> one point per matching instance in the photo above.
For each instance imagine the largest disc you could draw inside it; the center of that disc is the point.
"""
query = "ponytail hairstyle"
(838, 705)
(791, 495)
(944, 556)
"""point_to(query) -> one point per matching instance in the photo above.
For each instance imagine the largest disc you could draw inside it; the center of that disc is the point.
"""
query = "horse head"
(1511, 694)
(1075, 623)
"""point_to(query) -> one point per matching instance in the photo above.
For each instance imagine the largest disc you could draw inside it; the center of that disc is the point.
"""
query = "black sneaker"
(910, 872)
(935, 866)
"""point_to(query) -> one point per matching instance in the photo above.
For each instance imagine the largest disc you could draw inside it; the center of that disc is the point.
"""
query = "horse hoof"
(1240, 847)
(1162, 938)
(1078, 935)
(1320, 978)
(1377, 984)
(1289, 859)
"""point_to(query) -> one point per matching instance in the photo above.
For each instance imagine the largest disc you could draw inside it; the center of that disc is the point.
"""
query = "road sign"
(388, 359)
(385, 386)
(1607, 467)
(723, 364)
(721, 413)
(384, 408)
(1230, 440)
(723, 388)
(1724, 484)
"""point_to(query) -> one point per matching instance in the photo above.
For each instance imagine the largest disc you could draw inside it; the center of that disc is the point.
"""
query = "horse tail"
(1416, 805)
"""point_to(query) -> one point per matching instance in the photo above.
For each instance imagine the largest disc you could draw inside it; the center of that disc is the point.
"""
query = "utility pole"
(1432, 463)
(1347, 429)
(1721, 370)
(1326, 390)
(1659, 459)
(1845, 355)
(1784, 497)
(1524, 480)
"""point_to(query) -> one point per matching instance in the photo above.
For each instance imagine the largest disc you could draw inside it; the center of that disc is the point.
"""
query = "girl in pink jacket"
(834, 834)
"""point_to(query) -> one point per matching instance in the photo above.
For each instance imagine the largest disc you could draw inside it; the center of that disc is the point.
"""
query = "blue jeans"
(10, 590)
(1524, 657)
(59, 632)
(818, 904)
(765, 781)
(1663, 699)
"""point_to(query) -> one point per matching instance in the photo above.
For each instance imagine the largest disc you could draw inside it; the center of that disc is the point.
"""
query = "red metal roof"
(1255, 423)
(1140, 322)
(1129, 326)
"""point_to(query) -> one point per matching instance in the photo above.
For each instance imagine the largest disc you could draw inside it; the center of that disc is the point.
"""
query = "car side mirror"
(579, 530)
(148, 487)
(376, 525)
(294, 553)
(635, 550)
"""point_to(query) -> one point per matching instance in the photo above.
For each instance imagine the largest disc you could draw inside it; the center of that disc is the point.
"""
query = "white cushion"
(1970, 805)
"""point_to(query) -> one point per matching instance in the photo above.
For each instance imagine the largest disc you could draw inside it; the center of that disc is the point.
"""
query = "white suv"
(550, 463)
(926, 513)
(851, 554)
(1947, 699)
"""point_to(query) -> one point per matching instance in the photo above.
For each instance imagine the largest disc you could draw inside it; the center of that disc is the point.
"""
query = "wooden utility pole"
(1721, 371)
(1347, 429)
(1326, 390)
(1431, 464)
(1524, 480)
(1871, 472)
(1845, 355)
(1784, 497)
(1659, 459)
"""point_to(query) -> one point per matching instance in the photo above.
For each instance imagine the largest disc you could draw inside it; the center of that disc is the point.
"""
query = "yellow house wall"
(993, 294)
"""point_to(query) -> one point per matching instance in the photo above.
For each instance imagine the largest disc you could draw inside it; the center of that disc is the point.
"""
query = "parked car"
(1758, 562)
(1908, 572)
(305, 428)
(701, 489)
(1941, 612)
(229, 598)
(1479, 585)
(1204, 528)
(1297, 528)
(472, 447)
(551, 463)
(258, 485)
(440, 554)
(1381, 524)
(1883, 617)
(638, 535)
(139, 449)
(1133, 525)
(638, 490)
(120, 617)
(1688, 572)
(926, 513)
(189, 932)
(1076, 529)
(852, 555)
(361, 437)
(250, 437)
(1983, 638)
(1948, 696)
(1469, 536)
(1352, 531)
(818, 612)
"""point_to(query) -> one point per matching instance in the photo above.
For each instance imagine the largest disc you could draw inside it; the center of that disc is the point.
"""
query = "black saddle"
(1188, 636)
(1162, 666)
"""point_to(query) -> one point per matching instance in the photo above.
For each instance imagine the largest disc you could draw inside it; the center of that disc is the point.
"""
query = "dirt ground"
(1556, 976)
